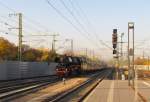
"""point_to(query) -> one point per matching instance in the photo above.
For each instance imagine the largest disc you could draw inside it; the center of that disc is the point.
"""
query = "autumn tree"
(8, 51)
(52, 55)
(140, 61)
(45, 56)
(31, 55)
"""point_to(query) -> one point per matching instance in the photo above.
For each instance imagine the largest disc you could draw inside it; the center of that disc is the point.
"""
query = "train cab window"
(69, 58)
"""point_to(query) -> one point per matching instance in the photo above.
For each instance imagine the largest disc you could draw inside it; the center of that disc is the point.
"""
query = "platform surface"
(119, 91)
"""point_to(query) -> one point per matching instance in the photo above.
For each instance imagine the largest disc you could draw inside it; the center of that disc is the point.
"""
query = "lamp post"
(131, 71)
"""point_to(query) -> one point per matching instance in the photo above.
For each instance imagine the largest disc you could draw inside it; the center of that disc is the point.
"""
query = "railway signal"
(114, 40)
(114, 51)
(114, 36)
(114, 46)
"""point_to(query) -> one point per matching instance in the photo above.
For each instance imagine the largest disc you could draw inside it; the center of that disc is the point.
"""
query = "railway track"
(8, 92)
(75, 94)
(24, 83)
(14, 82)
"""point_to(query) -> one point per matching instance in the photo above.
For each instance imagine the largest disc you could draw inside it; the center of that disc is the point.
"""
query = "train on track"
(63, 66)
(73, 65)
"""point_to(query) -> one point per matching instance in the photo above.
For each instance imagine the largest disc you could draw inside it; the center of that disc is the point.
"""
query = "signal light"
(114, 52)
(114, 38)
(131, 25)
(114, 46)
(114, 31)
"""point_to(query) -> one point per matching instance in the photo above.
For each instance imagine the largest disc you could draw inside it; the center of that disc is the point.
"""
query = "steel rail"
(18, 92)
(61, 96)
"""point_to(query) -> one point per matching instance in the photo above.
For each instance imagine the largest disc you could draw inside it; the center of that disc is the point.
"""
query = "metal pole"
(122, 34)
(54, 40)
(143, 54)
(133, 72)
(20, 38)
(53, 46)
(131, 53)
(19, 34)
(128, 58)
(93, 55)
(86, 52)
(118, 63)
(72, 46)
(121, 44)
(148, 62)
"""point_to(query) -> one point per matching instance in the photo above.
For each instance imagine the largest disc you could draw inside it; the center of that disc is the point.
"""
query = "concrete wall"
(14, 70)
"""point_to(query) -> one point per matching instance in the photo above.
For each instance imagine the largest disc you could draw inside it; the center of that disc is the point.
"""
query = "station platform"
(119, 91)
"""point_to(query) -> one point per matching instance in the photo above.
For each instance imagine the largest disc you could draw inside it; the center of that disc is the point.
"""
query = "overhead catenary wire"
(5, 6)
(37, 24)
(76, 19)
(69, 21)
(7, 32)
(12, 27)
(64, 17)
(25, 23)
(80, 13)
(88, 22)
(11, 33)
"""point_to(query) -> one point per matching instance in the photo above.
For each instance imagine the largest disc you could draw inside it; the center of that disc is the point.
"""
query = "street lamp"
(131, 70)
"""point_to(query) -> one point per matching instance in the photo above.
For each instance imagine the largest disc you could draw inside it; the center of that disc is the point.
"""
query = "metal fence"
(15, 70)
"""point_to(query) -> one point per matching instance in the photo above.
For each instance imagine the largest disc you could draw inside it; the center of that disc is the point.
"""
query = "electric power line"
(39, 25)
(65, 18)
(75, 18)
(89, 23)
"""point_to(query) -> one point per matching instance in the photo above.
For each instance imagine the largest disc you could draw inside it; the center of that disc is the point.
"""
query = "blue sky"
(104, 15)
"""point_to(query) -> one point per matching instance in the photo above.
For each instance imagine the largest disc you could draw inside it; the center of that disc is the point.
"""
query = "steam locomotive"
(73, 65)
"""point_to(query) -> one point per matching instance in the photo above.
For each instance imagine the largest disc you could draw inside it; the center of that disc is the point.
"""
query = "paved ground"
(54, 89)
(119, 91)
(143, 87)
